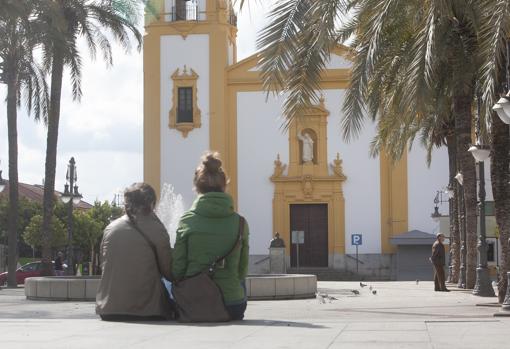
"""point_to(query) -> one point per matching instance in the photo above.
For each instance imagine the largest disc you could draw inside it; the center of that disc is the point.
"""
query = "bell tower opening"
(185, 10)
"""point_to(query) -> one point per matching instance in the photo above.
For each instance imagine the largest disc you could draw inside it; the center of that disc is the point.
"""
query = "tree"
(494, 37)
(87, 232)
(64, 21)
(22, 75)
(105, 213)
(34, 237)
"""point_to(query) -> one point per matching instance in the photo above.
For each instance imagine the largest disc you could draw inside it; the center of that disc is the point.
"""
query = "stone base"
(57, 288)
(287, 286)
(373, 267)
(483, 287)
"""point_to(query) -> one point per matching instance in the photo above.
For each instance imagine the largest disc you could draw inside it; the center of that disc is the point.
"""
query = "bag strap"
(151, 244)
(237, 242)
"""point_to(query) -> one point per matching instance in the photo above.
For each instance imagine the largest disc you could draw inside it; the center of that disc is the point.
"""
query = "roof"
(246, 70)
(413, 237)
(35, 192)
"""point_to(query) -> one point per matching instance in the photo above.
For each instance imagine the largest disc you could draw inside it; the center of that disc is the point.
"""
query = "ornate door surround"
(312, 182)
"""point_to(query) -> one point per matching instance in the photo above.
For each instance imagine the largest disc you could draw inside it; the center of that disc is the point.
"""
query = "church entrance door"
(313, 220)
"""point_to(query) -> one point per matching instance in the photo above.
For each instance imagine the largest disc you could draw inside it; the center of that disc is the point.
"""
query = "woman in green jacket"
(210, 229)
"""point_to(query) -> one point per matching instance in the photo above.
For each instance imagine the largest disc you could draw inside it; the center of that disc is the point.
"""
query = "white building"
(199, 97)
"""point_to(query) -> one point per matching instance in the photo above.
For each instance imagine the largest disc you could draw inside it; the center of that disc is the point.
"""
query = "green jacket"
(207, 231)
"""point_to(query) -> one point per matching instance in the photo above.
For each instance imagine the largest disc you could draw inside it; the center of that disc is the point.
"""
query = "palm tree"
(22, 75)
(65, 22)
(495, 47)
(403, 52)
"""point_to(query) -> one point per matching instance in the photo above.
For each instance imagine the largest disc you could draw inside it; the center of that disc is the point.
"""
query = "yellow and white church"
(198, 96)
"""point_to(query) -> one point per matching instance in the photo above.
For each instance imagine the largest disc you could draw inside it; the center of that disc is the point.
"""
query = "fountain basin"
(84, 288)
(281, 286)
(62, 288)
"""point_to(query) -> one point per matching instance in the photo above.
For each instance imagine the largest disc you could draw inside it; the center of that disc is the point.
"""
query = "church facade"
(199, 97)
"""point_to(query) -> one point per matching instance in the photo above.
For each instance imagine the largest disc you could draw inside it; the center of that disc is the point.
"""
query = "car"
(27, 271)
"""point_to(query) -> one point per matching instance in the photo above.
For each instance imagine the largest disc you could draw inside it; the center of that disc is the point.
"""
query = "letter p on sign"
(356, 239)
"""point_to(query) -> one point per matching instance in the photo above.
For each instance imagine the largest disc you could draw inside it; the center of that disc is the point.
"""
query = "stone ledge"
(281, 286)
(58, 288)
(258, 287)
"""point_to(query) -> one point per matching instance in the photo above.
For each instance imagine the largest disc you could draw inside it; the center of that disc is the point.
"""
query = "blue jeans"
(168, 286)
(236, 311)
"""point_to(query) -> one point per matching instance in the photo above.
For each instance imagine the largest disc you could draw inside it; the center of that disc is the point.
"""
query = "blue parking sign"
(356, 239)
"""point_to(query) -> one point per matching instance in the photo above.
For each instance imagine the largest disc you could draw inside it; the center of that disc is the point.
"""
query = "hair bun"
(212, 163)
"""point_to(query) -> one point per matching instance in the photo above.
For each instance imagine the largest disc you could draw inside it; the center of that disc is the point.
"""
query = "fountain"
(169, 210)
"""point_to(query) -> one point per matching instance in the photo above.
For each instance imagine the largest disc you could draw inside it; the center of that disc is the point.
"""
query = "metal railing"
(191, 12)
(186, 12)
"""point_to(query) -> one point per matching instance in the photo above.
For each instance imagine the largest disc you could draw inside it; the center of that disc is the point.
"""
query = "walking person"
(59, 264)
(211, 228)
(438, 259)
(135, 255)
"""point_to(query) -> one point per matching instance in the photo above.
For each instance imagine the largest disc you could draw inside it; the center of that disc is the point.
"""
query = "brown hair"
(209, 175)
(139, 198)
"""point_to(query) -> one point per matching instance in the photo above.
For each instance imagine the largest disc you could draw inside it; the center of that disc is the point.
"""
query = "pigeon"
(362, 285)
(370, 288)
(331, 299)
(417, 282)
(374, 292)
(356, 292)
(320, 298)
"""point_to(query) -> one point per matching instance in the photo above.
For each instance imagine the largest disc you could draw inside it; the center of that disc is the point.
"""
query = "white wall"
(362, 188)
(423, 183)
(338, 62)
(259, 139)
(179, 155)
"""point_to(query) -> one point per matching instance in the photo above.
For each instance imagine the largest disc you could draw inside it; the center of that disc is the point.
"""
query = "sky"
(104, 132)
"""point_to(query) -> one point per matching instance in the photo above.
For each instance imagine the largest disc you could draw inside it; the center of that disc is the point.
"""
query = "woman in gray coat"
(135, 254)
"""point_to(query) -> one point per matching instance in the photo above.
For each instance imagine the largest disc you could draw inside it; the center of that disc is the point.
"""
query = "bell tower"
(188, 46)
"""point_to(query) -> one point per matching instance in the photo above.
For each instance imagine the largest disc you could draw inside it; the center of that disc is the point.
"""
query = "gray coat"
(131, 283)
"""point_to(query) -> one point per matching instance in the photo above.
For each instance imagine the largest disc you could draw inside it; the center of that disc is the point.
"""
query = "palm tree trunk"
(57, 73)
(500, 177)
(462, 110)
(453, 210)
(12, 126)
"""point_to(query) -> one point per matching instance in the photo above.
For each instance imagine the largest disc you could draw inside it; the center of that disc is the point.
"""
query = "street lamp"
(436, 216)
(483, 286)
(463, 252)
(450, 191)
(71, 196)
(502, 108)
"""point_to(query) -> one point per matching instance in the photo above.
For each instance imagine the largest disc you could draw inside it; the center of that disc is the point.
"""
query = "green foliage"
(104, 213)
(86, 230)
(34, 237)
(26, 210)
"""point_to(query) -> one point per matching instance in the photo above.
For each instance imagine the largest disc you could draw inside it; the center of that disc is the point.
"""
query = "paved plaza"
(400, 315)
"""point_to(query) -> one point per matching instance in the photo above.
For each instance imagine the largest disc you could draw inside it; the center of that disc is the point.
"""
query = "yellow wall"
(394, 200)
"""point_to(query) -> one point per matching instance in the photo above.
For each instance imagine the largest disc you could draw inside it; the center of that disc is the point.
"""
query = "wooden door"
(313, 220)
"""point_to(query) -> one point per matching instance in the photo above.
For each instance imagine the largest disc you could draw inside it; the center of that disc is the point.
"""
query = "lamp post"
(463, 251)
(480, 152)
(72, 197)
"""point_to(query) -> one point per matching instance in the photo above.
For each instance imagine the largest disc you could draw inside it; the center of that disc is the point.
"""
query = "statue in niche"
(308, 142)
